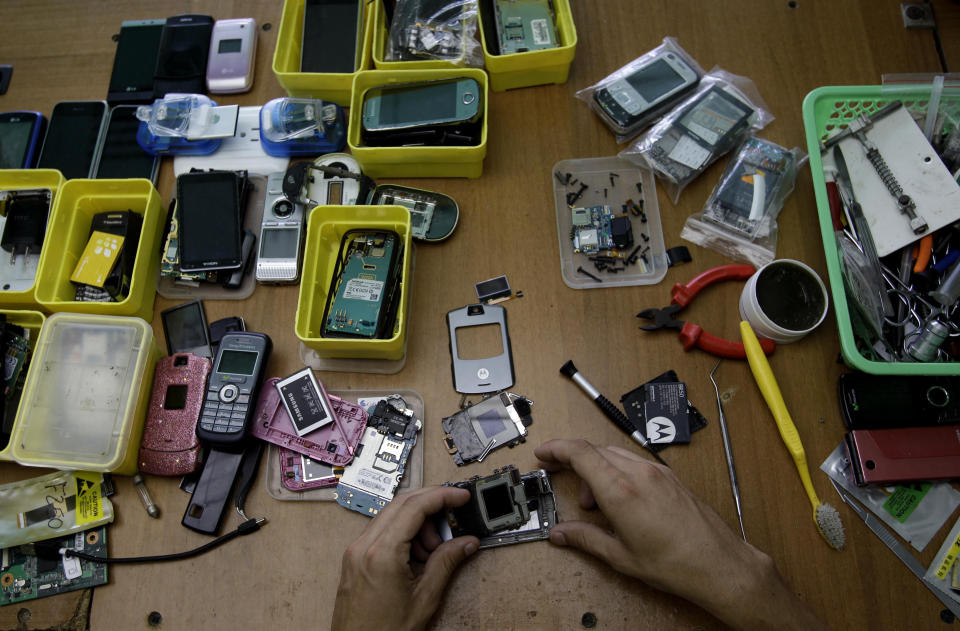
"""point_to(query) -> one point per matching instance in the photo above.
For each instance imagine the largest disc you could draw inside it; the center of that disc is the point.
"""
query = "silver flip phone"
(281, 235)
(233, 49)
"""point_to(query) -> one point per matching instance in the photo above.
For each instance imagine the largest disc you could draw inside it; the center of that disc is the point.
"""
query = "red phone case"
(901, 455)
(170, 445)
(326, 444)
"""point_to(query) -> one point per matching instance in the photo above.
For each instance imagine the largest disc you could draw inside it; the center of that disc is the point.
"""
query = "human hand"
(378, 587)
(664, 535)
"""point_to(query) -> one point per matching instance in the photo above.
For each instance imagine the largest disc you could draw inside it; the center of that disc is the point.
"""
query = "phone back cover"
(897, 455)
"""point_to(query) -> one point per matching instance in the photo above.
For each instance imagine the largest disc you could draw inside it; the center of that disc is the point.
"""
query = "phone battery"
(305, 402)
(665, 407)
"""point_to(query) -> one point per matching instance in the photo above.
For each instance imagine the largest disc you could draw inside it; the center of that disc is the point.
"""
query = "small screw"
(643, 235)
(588, 274)
(640, 188)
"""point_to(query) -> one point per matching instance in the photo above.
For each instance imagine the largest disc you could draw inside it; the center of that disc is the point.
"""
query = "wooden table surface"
(286, 575)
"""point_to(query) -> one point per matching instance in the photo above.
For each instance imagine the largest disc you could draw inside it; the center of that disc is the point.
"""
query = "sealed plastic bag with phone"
(739, 219)
(709, 123)
(632, 97)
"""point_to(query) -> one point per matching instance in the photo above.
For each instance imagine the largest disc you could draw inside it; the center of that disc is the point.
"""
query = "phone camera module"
(283, 208)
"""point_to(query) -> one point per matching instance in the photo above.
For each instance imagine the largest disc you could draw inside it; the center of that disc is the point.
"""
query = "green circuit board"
(25, 577)
(364, 289)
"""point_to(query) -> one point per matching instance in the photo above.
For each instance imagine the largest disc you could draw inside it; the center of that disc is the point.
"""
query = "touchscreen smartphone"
(182, 59)
(423, 104)
(208, 208)
(134, 62)
(331, 35)
(121, 156)
(73, 138)
(20, 136)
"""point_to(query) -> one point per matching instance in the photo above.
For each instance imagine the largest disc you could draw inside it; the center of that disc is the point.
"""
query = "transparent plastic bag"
(52, 505)
(697, 132)
(916, 512)
(435, 29)
(739, 219)
(632, 97)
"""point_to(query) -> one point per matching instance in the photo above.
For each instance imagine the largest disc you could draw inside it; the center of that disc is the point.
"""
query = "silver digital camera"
(281, 235)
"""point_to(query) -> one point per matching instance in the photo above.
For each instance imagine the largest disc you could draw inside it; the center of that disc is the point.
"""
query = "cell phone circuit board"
(302, 473)
(525, 25)
(596, 228)
(364, 287)
(26, 577)
(380, 461)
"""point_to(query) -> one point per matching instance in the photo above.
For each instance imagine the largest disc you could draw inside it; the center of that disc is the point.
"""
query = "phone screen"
(655, 80)
(15, 133)
(419, 104)
(72, 135)
(279, 243)
(186, 329)
(121, 156)
(208, 208)
(330, 35)
(135, 60)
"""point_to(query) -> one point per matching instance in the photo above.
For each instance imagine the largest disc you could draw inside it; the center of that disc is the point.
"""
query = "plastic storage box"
(380, 31)
(77, 203)
(32, 321)
(415, 161)
(86, 394)
(325, 228)
(535, 67)
(29, 178)
(824, 110)
(333, 86)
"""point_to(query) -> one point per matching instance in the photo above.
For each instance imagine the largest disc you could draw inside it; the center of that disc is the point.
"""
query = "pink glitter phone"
(332, 444)
(170, 445)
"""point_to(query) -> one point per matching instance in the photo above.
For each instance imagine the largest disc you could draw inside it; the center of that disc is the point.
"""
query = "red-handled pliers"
(692, 334)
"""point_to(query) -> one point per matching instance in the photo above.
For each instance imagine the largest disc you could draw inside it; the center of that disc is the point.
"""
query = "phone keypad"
(225, 409)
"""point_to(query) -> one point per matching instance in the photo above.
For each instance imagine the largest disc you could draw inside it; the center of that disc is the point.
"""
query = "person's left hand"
(378, 588)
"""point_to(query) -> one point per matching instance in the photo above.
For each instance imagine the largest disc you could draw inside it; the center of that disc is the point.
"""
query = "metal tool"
(895, 546)
(734, 486)
(692, 334)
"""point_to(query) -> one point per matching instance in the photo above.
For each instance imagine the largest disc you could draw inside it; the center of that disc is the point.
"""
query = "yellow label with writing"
(948, 559)
(89, 497)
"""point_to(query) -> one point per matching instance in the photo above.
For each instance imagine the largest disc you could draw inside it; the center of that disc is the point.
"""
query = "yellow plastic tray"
(536, 67)
(325, 229)
(30, 178)
(69, 229)
(380, 30)
(86, 394)
(415, 161)
(32, 321)
(332, 86)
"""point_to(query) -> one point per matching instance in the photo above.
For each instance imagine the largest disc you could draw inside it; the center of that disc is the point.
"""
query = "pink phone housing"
(170, 445)
(291, 473)
(326, 444)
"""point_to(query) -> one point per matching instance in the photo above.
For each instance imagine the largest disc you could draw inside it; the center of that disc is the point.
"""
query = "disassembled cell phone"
(333, 444)
(303, 473)
(525, 25)
(281, 235)
(371, 480)
(233, 388)
(504, 508)
(230, 63)
(497, 421)
(365, 286)
(486, 375)
(170, 445)
(750, 187)
(597, 228)
(433, 216)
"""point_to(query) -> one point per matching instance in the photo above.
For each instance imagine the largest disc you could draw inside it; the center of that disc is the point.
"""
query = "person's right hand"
(665, 536)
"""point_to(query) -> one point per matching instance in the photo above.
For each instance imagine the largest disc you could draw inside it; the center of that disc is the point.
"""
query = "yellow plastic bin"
(415, 161)
(535, 67)
(86, 394)
(380, 31)
(11, 179)
(332, 86)
(32, 321)
(77, 203)
(325, 229)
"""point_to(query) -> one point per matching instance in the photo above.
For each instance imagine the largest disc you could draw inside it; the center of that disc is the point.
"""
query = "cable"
(50, 550)
(936, 38)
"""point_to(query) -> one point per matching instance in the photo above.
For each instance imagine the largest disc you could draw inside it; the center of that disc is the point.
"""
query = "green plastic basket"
(824, 110)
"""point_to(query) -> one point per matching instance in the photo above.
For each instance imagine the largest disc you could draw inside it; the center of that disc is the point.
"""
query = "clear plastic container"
(609, 182)
(86, 394)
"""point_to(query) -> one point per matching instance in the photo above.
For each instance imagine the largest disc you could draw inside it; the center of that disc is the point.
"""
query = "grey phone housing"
(489, 374)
